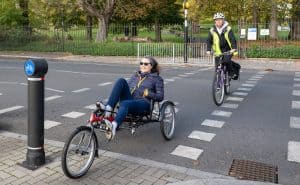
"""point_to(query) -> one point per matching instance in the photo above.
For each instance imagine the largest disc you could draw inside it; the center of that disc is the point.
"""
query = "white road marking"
(176, 77)
(244, 89)
(295, 122)
(176, 110)
(182, 75)
(24, 84)
(55, 90)
(296, 92)
(240, 93)
(297, 79)
(2, 111)
(170, 80)
(49, 124)
(254, 79)
(251, 82)
(187, 152)
(221, 113)
(0, 94)
(229, 105)
(92, 107)
(297, 73)
(213, 123)
(294, 151)
(296, 85)
(204, 136)
(165, 82)
(248, 85)
(230, 98)
(52, 98)
(73, 114)
(257, 77)
(105, 84)
(189, 73)
(263, 72)
(81, 90)
(295, 104)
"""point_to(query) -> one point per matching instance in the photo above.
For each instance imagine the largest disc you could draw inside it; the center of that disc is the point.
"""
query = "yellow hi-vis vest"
(216, 41)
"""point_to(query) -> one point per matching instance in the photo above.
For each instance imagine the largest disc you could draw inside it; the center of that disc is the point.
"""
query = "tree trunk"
(89, 27)
(102, 29)
(25, 13)
(295, 25)
(273, 23)
(255, 14)
(157, 31)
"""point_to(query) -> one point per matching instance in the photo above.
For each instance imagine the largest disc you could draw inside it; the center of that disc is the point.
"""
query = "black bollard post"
(35, 69)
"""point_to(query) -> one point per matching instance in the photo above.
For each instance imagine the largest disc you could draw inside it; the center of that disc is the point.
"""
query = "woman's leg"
(133, 107)
(119, 92)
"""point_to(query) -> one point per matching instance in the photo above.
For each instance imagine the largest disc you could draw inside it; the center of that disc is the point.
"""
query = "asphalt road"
(254, 124)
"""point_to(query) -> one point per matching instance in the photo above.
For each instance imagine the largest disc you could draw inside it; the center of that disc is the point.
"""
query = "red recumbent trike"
(82, 146)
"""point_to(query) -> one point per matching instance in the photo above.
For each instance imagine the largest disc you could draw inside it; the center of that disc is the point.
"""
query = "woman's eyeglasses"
(144, 63)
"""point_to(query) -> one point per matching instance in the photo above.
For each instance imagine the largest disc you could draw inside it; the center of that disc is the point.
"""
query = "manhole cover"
(254, 171)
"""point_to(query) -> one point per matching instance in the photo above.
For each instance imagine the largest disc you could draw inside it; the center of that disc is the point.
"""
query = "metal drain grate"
(255, 171)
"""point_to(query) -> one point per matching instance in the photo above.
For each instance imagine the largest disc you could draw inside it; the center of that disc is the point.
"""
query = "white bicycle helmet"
(219, 16)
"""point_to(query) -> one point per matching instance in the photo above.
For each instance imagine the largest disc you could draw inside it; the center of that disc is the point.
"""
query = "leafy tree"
(10, 14)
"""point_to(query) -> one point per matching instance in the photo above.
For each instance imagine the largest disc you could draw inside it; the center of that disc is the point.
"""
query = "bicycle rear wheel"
(79, 152)
(218, 89)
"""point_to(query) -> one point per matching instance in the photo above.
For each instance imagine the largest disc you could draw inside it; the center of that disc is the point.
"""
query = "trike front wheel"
(79, 152)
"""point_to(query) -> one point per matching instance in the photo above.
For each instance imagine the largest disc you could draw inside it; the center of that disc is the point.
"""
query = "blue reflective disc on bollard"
(29, 68)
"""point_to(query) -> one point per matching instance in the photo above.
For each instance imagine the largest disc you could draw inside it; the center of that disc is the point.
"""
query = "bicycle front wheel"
(218, 89)
(227, 83)
(79, 152)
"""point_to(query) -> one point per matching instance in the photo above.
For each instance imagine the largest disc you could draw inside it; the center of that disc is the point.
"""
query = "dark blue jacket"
(151, 81)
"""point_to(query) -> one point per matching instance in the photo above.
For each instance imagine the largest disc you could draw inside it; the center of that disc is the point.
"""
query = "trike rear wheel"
(167, 122)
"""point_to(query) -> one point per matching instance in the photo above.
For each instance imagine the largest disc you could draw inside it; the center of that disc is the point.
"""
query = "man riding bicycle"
(221, 39)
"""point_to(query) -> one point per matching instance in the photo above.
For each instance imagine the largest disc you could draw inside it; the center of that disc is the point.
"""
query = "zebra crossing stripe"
(92, 107)
(105, 84)
(295, 122)
(49, 124)
(213, 123)
(52, 98)
(73, 114)
(248, 85)
(81, 90)
(295, 104)
(229, 105)
(294, 151)
(297, 79)
(221, 113)
(251, 82)
(240, 93)
(244, 89)
(187, 152)
(230, 98)
(296, 92)
(204, 136)
(2, 111)
(296, 85)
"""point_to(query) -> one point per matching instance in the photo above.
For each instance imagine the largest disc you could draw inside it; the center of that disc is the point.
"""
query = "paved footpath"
(109, 169)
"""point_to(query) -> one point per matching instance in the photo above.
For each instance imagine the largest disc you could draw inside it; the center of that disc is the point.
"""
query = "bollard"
(35, 69)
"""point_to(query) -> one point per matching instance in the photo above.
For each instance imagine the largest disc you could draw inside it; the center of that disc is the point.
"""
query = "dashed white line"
(244, 89)
(248, 85)
(182, 75)
(170, 80)
(189, 73)
(213, 123)
(295, 122)
(105, 84)
(240, 93)
(297, 79)
(296, 85)
(2, 111)
(294, 151)
(295, 104)
(81, 90)
(55, 90)
(49, 124)
(230, 98)
(229, 105)
(73, 115)
(204, 136)
(52, 98)
(221, 113)
(251, 82)
(296, 92)
(187, 152)
(92, 107)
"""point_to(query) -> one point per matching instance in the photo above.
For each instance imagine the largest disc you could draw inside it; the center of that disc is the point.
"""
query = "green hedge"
(289, 51)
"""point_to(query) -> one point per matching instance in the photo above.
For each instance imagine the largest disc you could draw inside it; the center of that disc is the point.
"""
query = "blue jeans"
(121, 93)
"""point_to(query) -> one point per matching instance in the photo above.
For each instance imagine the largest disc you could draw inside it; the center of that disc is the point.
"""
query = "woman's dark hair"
(154, 64)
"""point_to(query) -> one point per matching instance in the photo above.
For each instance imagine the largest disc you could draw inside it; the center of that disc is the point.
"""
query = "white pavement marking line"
(81, 90)
(165, 82)
(295, 122)
(296, 92)
(189, 73)
(73, 115)
(229, 105)
(295, 104)
(254, 79)
(230, 98)
(297, 72)
(170, 80)
(2, 111)
(251, 82)
(204, 136)
(176, 77)
(187, 152)
(52, 98)
(176, 110)
(213, 123)
(55, 90)
(221, 113)
(240, 93)
(244, 89)
(296, 85)
(182, 75)
(248, 85)
(92, 107)
(294, 151)
(263, 72)
(105, 84)
(0, 94)
(49, 124)
(24, 84)
(297, 79)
